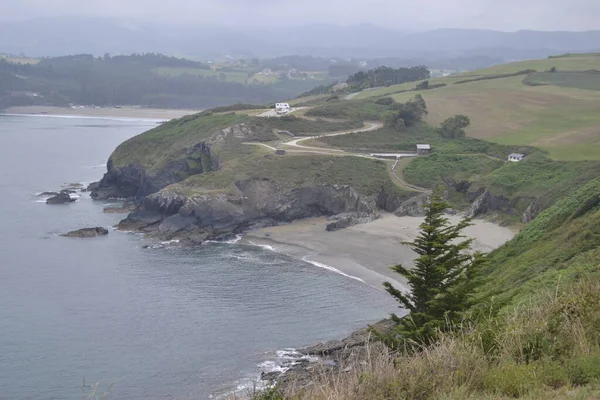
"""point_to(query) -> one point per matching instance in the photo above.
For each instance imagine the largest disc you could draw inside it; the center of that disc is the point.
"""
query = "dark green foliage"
(385, 101)
(301, 126)
(423, 85)
(553, 69)
(384, 76)
(454, 127)
(435, 170)
(234, 107)
(350, 109)
(321, 89)
(410, 112)
(589, 80)
(442, 282)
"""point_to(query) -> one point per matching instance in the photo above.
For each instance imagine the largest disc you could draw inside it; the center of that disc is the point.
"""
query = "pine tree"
(442, 282)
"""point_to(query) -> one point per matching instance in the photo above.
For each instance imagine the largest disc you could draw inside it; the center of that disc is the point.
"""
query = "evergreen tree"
(442, 282)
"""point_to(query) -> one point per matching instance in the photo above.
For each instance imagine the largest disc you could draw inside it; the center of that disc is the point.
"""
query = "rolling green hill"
(559, 116)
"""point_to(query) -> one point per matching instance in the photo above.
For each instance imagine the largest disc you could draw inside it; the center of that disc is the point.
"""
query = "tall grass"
(548, 347)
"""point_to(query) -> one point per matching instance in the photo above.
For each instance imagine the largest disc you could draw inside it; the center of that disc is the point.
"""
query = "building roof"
(516, 155)
(423, 147)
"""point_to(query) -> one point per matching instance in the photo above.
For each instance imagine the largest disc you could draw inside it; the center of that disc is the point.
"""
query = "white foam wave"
(170, 242)
(332, 269)
(234, 240)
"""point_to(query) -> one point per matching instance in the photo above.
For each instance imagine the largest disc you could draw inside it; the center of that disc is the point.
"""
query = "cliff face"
(134, 180)
(169, 215)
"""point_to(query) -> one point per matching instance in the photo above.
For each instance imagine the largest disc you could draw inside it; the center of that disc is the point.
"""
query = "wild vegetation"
(385, 76)
(534, 335)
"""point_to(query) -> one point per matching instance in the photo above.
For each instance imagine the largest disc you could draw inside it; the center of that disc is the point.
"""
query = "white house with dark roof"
(423, 149)
(515, 157)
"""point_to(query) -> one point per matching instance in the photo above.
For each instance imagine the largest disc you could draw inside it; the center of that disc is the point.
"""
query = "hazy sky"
(396, 14)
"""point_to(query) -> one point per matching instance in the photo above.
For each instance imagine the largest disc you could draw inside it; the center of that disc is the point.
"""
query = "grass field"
(574, 79)
(560, 117)
(239, 77)
(20, 60)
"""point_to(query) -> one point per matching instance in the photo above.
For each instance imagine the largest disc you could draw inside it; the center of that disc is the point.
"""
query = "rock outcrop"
(136, 181)
(87, 233)
(413, 207)
(332, 357)
(484, 202)
(61, 198)
(257, 203)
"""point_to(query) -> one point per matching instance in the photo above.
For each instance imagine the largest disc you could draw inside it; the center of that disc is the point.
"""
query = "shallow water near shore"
(161, 323)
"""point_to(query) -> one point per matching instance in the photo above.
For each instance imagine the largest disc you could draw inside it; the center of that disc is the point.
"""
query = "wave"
(234, 240)
(332, 269)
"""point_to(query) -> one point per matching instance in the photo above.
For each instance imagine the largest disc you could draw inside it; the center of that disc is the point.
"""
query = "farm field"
(561, 118)
(239, 77)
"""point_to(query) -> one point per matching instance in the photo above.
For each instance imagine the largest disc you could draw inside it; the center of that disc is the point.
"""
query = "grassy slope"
(388, 139)
(561, 245)
(167, 142)
(364, 175)
(562, 120)
(580, 80)
(537, 337)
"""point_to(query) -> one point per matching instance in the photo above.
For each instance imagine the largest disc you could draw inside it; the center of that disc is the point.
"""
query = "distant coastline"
(104, 112)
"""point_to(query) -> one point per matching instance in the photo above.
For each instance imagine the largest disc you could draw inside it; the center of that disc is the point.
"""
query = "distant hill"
(61, 36)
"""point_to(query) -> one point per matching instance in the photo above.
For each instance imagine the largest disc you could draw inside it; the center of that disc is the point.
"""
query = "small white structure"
(516, 157)
(423, 149)
(282, 108)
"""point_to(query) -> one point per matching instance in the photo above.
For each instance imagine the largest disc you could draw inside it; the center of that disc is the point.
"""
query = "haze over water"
(161, 323)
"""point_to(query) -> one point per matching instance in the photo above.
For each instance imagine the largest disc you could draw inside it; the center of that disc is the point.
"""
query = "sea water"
(156, 323)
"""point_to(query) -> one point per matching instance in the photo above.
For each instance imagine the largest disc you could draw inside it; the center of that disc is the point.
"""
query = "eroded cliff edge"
(201, 178)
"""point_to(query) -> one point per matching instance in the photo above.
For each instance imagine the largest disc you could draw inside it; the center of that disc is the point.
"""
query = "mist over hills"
(62, 36)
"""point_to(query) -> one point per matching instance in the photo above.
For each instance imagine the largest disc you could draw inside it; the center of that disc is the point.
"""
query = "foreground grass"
(536, 335)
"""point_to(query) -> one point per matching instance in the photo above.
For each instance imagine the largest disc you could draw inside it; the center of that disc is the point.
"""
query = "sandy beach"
(104, 112)
(365, 251)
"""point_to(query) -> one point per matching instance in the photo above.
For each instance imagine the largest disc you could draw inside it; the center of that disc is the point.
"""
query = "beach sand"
(105, 112)
(365, 251)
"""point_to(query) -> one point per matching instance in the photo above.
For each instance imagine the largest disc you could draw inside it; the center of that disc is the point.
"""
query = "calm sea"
(159, 323)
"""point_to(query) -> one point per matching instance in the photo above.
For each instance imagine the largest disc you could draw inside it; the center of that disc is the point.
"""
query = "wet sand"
(365, 251)
(104, 112)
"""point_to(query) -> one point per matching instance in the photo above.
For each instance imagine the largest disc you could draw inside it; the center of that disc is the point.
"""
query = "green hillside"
(556, 112)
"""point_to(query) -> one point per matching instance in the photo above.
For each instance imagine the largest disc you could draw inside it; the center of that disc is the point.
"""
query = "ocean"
(154, 323)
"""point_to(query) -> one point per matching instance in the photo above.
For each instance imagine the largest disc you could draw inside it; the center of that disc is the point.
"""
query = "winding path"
(295, 146)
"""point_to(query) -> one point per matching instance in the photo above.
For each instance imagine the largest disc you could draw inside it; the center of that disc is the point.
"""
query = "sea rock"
(45, 194)
(134, 180)
(61, 198)
(488, 202)
(87, 232)
(68, 191)
(350, 219)
(413, 207)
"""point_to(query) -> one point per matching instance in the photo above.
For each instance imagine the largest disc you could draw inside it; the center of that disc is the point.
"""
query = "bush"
(514, 380)
(584, 369)
(385, 101)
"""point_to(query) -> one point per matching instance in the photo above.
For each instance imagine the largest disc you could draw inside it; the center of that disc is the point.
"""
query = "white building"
(423, 149)
(516, 157)
(282, 108)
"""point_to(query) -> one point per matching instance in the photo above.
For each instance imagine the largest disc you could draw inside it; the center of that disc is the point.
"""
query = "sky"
(402, 15)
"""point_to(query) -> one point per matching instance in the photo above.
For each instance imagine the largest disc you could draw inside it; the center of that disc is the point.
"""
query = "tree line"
(104, 81)
(385, 76)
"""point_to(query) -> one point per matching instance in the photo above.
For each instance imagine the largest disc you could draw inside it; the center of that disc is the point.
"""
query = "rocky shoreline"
(312, 363)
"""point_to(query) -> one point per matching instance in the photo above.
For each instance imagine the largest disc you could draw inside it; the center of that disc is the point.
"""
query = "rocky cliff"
(256, 203)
